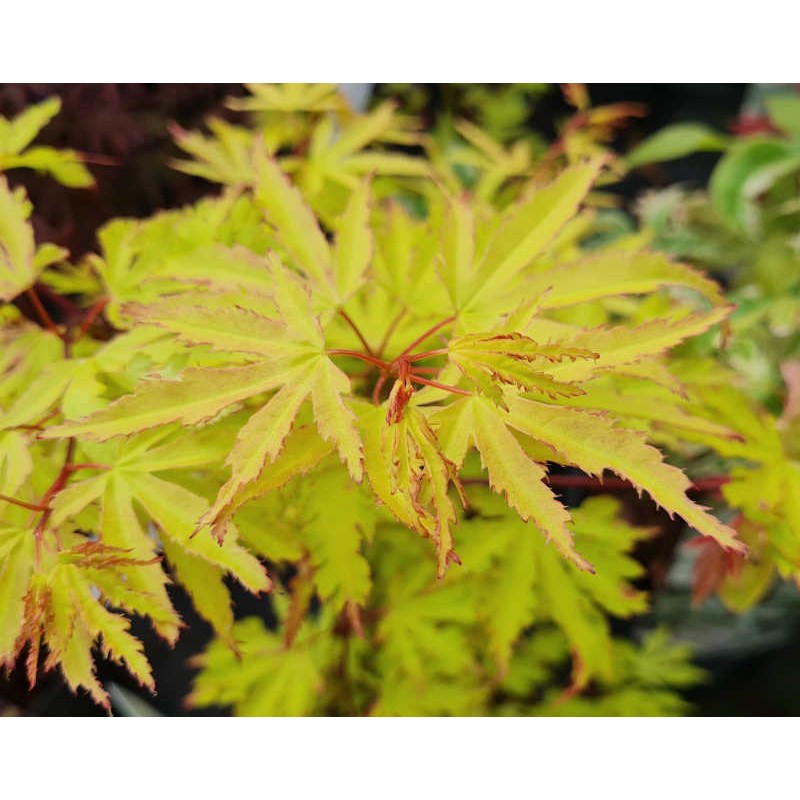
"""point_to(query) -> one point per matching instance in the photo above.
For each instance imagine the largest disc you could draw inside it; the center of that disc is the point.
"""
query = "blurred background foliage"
(710, 172)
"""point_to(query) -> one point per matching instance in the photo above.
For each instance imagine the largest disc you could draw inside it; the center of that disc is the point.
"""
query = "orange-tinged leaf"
(619, 345)
(16, 564)
(512, 472)
(120, 527)
(197, 397)
(117, 642)
(227, 330)
(262, 437)
(334, 419)
(177, 511)
(439, 473)
(594, 443)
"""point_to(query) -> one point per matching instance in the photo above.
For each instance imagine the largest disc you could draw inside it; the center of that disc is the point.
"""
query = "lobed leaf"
(198, 396)
(531, 225)
(593, 443)
(613, 273)
(512, 472)
(294, 222)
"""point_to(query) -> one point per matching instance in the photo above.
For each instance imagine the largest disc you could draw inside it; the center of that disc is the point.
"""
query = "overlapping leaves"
(349, 351)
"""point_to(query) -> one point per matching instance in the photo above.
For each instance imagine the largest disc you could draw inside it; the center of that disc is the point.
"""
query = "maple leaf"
(20, 260)
(199, 562)
(302, 372)
(288, 97)
(341, 573)
(17, 134)
(590, 441)
(279, 344)
(266, 678)
(63, 608)
(531, 583)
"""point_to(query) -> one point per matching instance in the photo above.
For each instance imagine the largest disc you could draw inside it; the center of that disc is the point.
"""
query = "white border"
(349, 41)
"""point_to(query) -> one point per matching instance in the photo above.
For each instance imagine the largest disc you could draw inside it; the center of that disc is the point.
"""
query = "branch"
(41, 311)
(91, 316)
(64, 303)
(710, 484)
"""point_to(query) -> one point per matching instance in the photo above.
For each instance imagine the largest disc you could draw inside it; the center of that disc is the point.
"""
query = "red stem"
(99, 160)
(437, 385)
(389, 331)
(710, 484)
(58, 484)
(362, 356)
(425, 336)
(87, 465)
(64, 303)
(428, 354)
(22, 503)
(376, 392)
(41, 311)
(91, 316)
(346, 317)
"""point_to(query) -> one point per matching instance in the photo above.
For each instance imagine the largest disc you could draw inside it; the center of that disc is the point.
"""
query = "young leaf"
(16, 134)
(676, 141)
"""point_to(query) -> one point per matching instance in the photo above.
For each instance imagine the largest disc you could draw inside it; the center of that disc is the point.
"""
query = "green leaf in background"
(16, 134)
(676, 141)
(748, 170)
(784, 111)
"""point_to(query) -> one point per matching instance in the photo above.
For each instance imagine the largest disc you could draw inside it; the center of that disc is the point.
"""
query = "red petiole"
(426, 335)
(401, 365)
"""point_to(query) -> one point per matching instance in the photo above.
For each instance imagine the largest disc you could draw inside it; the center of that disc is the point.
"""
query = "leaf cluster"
(315, 390)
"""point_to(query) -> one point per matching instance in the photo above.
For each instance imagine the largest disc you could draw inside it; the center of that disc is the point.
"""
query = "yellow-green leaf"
(512, 472)
(592, 442)
(197, 397)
